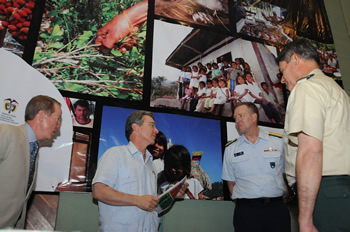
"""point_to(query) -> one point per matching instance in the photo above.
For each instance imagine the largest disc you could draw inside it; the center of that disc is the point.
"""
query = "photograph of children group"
(232, 70)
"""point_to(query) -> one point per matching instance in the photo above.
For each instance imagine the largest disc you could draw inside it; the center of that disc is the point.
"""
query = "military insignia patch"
(272, 165)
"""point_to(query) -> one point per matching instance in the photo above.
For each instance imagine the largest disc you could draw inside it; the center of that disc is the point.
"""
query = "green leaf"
(76, 87)
(86, 35)
(52, 13)
(56, 45)
(123, 96)
(134, 51)
(79, 43)
(141, 34)
(116, 53)
(104, 94)
(57, 31)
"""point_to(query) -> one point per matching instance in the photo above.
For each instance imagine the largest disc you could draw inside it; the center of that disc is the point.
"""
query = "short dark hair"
(202, 69)
(202, 82)
(248, 73)
(245, 80)
(37, 103)
(82, 103)
(161, 140)
(135, 117)
(223, 80)
(300, 47)
(263, 83)
(176, 157)
(251, 106)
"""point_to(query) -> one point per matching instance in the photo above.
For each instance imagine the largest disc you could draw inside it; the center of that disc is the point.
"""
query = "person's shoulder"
(315, 83)
(10, 133)
(276, 135)
(11, 129)
(116, 149)
(230, 142)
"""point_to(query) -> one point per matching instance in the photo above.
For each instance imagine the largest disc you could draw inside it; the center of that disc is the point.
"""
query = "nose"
(156, 130)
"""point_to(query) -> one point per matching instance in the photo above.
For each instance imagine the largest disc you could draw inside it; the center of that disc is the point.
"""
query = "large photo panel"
(195, 55)
(200, 136)
(15, 23)
(213, 14)
(94, 47)
(262, 20)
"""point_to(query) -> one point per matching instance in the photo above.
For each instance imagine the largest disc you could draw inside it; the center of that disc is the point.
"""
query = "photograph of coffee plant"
(94, 46)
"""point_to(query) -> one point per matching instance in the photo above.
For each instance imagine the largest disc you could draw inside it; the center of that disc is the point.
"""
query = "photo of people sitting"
(234, 82)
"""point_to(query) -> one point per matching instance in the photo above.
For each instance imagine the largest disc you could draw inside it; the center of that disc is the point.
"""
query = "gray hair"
(302, 48)
(37, 103)
(135, 117)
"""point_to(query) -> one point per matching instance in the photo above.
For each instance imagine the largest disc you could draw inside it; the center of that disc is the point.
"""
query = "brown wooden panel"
(42, 210)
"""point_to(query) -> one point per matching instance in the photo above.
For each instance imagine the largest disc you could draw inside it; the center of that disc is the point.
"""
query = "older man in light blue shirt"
(253, 168)
(125, 183)
(123, 169)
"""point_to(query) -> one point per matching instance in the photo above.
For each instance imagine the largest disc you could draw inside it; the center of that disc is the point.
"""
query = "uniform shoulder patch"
(307, 77)
(230, 142)
(276, 135)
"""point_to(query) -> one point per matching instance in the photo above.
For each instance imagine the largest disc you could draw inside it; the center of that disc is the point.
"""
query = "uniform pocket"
(272, 161)
(242, 166)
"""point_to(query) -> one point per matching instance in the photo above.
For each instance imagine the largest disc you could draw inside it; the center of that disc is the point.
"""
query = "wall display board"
(200, 136)
(68, 54)
(121, 56)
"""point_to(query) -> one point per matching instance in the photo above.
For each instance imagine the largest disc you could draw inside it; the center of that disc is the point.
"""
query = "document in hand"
(168, 197)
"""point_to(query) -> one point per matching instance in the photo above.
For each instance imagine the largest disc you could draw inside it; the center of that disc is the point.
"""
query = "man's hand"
(147, 202)
(122, 25)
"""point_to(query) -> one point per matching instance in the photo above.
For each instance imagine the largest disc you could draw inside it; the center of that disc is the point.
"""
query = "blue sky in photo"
(196, 134)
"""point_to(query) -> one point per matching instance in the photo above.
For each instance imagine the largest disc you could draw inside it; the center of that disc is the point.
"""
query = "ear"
(40, 115)
(134, 127)
(255, 118)
(295, 59)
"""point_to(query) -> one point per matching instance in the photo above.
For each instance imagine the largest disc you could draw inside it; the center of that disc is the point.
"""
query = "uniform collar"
(30, 133)
(262, 135)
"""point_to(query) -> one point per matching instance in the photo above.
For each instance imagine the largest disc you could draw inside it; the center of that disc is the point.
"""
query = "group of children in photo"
(207, 88)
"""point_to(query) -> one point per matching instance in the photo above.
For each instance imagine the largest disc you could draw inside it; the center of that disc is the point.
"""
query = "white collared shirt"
(122, 168)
